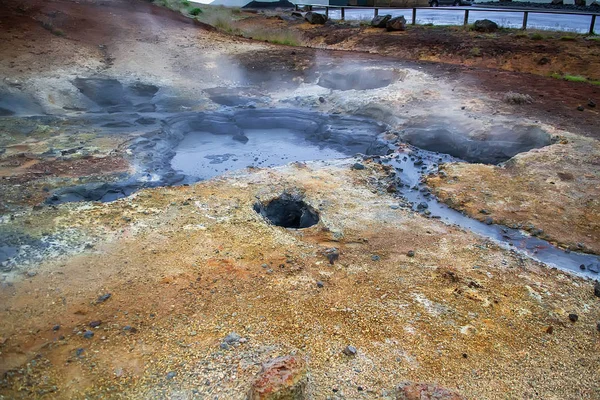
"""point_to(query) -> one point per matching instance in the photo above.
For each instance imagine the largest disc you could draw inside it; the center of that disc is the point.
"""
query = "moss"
(195, 11)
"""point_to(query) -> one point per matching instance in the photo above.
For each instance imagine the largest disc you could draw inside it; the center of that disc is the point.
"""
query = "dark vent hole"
(289, 212)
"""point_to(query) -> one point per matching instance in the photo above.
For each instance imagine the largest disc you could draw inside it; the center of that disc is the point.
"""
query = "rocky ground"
(185, 292)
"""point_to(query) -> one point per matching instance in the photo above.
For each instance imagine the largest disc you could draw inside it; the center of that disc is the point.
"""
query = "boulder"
(396, 24)
(557, 2)
(380, 21)
(580, 3)
(280, 378)
(485, 25)
(595, 5)
(315, 18)
(424, 391)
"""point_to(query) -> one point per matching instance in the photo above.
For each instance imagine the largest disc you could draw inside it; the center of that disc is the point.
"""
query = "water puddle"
(412, 164)
(204, 155)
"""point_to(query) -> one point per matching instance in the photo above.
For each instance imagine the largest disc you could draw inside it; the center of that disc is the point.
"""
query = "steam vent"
(269, 200)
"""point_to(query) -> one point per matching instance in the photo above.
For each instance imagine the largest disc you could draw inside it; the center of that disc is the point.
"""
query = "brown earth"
(195, 264)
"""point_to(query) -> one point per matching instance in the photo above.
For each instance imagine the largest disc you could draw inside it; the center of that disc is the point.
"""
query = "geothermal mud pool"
(183, 148)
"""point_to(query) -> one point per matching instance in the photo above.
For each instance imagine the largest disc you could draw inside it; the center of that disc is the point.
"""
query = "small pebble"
(375, 257)
(88, 334)
(580, 108)
(321, 100)
(103, 298)
(55, 328)
(320, 284)
(573, 317)
(79, 351)
(410, 253)
(95, 324)
(350, 351)
(358, 166)
(171, 375)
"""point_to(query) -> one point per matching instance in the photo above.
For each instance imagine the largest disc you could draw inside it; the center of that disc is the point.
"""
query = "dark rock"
(396, 24)
(55, 328)
(171, 375)
(422, 206)
(321, 100)
(103, 298)
(95, 324)
(88, 334)
(582, 267)
(580, 108)
(280, 378)
(549, 330)
(592, 103)
(240, 138)
(557, 2)
(573, 317)
(79, 351)
(489, 221)
(358, 166)
(349, 351)
(375, 258)
(424, 391)
(380, 21)
(315, 18)
(543, 61)
(232, 338)
(320, 284)
(410, 253)
(485, 25)
(484, 211)
(598, 326)
(597, 289)
(332, 255)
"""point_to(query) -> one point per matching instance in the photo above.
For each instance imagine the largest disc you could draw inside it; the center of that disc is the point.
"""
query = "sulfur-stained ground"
(187, 266)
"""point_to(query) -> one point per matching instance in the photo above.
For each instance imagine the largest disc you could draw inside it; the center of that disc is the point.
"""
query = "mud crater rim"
(288, 211)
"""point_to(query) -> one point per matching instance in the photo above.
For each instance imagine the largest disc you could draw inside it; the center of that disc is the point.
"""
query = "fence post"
(466, 18)
(376, 12)
(414, 19)
(296, 6)
(343, 13)
(327, 12)
(592, 24)
(525, 15)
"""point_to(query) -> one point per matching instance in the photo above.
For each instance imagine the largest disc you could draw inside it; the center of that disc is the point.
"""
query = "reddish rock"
(424, 391)
(282, 378)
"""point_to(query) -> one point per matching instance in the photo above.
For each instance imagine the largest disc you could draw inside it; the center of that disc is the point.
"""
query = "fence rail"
(467, 10)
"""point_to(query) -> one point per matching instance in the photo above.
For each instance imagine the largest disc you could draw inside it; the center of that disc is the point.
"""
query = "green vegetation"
(185, 3)
(575, 78)
(568, 38)
(55, 31)
(475, 52)
(536, 36)
(287, 37)
(195, 11)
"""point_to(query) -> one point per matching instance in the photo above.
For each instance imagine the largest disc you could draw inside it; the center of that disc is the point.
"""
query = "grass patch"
(536, 36)
(52, 29)
(574, 78)
(568, 38)
(284, 37)
(475, 52)
(185, 3)
(195, 11)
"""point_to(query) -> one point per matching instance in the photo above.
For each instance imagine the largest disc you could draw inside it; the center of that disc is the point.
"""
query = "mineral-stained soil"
(187, 266)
